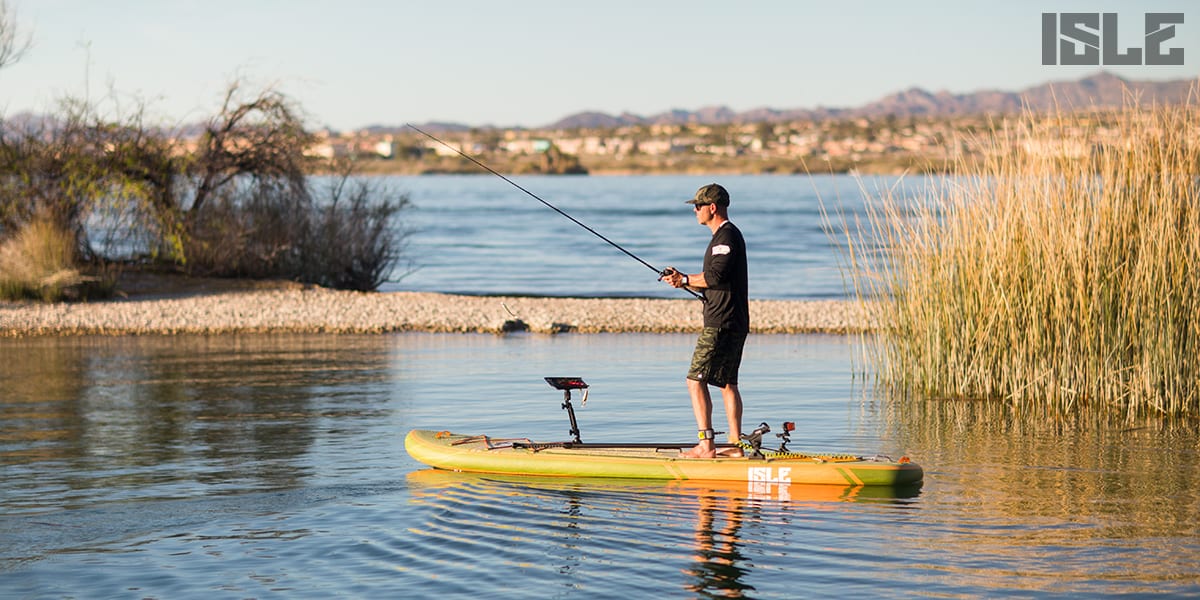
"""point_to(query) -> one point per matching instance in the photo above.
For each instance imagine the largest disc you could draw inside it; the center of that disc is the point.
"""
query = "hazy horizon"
(529, 63)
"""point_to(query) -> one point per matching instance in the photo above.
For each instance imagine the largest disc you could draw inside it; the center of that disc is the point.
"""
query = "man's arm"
(718, 266)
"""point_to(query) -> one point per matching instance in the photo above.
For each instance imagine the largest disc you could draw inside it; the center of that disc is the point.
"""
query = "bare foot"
(704, 449)
(732, 453)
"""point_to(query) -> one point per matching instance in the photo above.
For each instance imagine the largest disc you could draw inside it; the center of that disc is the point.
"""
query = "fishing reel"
(669, 271)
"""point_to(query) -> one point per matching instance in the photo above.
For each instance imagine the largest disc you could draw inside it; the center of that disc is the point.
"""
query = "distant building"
(525, 146)
(329, 149)
(387, 147)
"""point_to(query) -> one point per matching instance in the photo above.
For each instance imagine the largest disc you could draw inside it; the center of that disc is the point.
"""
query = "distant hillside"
(1100, 90)
(431, 126)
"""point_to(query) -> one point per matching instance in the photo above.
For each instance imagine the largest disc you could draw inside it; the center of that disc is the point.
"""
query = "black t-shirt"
(727, 298)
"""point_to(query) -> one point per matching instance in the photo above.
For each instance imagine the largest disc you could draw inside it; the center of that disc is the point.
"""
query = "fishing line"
(656, 270)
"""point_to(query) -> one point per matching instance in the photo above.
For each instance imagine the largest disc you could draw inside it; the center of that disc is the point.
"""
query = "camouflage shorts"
(717, 357)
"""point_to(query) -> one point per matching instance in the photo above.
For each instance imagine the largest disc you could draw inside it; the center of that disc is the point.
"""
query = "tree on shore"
(262, 138)
(12, 44)
(255, 211)
(85, 189)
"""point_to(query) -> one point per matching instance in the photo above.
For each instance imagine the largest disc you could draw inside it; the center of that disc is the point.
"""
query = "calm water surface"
(477, 234)
(257, 466)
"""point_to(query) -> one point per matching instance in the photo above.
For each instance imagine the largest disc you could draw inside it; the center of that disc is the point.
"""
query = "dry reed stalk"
(1062, 271)
(38, 262)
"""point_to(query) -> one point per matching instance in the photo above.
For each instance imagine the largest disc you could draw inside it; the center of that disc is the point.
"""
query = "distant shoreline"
(732, 166)
(317, 310)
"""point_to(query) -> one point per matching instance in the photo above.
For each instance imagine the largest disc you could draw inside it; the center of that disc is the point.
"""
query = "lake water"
(478, 234)
(263, 466)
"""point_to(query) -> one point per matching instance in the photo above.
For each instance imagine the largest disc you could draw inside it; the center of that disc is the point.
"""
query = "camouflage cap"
(711, 194)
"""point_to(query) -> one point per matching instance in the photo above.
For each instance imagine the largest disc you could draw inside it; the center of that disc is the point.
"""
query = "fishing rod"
(660, 272)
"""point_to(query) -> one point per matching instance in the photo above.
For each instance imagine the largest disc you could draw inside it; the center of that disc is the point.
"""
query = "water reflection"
(577, 521)
(1031, 466)
(182, 464)
(720, 565)
(1082, 503)
(231, 412)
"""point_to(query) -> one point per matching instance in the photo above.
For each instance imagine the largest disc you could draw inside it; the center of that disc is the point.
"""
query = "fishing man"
(724, 284)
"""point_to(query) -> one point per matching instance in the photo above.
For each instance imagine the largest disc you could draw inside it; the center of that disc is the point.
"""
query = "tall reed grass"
(1060, 271)
(38, 262)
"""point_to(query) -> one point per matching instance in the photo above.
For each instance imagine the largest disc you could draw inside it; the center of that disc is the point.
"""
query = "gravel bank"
(322, 310)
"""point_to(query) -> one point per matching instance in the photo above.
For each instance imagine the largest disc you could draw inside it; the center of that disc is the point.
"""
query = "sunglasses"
(697, 206)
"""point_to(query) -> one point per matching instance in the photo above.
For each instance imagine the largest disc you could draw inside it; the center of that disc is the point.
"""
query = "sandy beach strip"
(323, 310)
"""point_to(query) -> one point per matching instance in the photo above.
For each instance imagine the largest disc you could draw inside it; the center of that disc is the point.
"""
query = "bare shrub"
(356, 242)
(348, 241)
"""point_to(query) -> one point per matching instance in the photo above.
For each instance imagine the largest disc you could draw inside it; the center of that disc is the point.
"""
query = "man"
(718, 353)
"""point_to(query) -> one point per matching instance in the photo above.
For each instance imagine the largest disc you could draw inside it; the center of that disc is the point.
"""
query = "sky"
(355, 63)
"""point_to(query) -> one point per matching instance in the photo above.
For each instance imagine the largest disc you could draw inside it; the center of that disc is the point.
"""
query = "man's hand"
(673, 277)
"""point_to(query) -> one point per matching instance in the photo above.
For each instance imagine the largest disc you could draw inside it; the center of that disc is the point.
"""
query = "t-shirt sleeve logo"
(720, 249)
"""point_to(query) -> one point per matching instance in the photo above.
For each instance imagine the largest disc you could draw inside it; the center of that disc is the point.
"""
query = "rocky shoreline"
(300, 309)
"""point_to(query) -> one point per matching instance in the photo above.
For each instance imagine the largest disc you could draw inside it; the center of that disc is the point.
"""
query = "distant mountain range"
(1100, 90)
